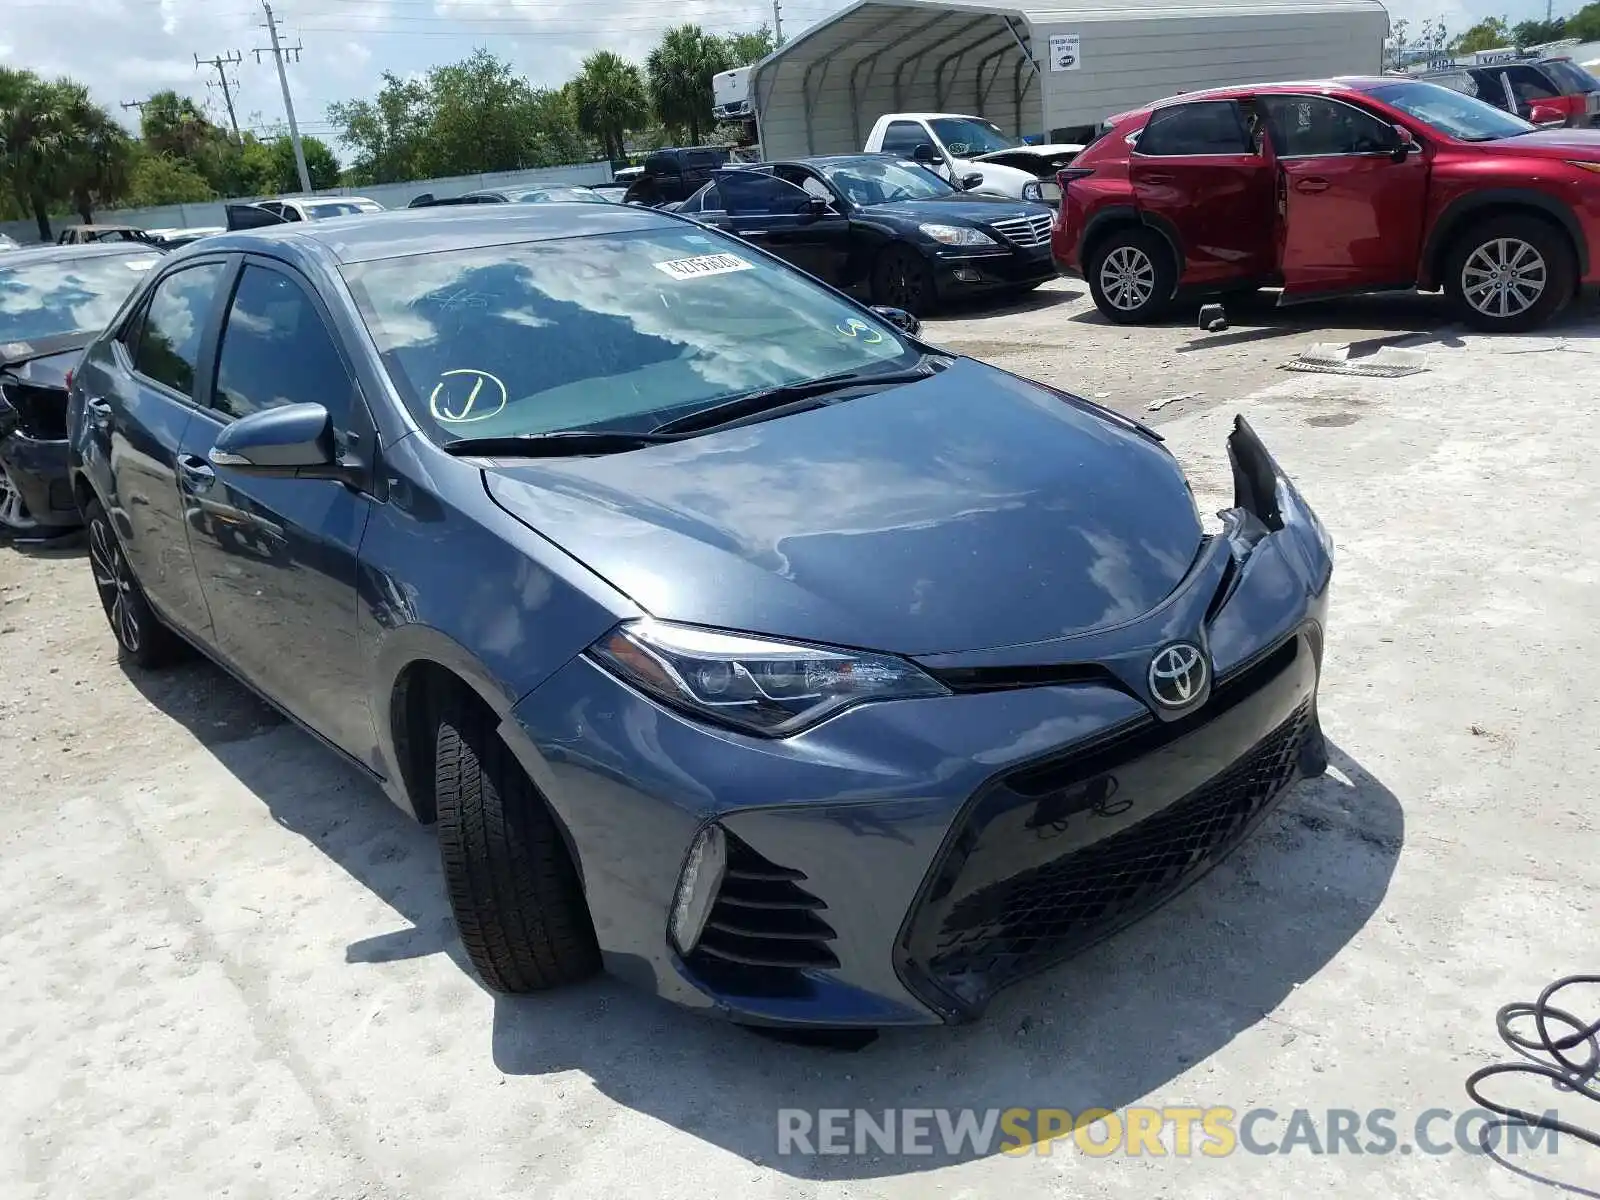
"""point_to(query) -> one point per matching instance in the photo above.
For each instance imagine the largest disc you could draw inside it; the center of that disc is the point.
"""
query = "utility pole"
(278, 52)
(220, 65)
(139, 104)
(777, 24)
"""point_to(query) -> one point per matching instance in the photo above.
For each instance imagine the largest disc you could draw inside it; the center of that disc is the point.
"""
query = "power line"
(279, 52)
(220, 64)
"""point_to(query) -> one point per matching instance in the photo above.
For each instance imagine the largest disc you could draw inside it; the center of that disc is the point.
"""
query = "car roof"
(33, 254)
(398, 233)
(1342, 84)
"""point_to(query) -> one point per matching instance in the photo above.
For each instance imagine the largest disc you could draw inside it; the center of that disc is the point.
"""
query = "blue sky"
(126, 49)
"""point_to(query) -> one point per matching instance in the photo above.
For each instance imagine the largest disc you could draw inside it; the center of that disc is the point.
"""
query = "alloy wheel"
(1128, 278)
(1504, 277)
(14, 513)
(115, 583)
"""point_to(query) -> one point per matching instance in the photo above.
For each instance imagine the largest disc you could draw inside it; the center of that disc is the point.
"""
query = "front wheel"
(1131, 275)
(15, 519)
(1510, 274)
(141, 637)
(901, 279)
(515, 894)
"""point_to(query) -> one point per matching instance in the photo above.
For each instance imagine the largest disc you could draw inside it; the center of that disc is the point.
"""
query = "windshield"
(343, 208)
(620, 331)
(553, 195)
(1570, 75)
(963, 136)
(1450, 112)
(866, 182)
(66, 295)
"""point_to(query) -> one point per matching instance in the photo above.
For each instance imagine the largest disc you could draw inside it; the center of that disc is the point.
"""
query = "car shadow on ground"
(1136, 1016)
(1006, 306)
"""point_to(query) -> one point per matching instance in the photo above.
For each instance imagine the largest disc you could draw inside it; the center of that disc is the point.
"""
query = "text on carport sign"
(1065, 51)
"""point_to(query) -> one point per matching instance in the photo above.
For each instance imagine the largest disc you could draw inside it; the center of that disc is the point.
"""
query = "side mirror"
(292, 442)
(970, 181)
(1402, 145)
(898, 317)
(925, 153)
(816, 206)
(1547, 116)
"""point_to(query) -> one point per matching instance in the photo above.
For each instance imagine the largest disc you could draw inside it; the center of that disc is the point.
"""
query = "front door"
(278, 557)
(1199, 171)
(137, 411)
(782, 219)
(1350, 215)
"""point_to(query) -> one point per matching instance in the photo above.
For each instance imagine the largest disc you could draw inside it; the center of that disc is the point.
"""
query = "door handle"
(1313, 184)
(754, 232)
(196, 472)
(98, 406)
(1158, 178)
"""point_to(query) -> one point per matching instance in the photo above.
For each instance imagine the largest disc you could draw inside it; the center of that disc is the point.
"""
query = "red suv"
(1322, 189)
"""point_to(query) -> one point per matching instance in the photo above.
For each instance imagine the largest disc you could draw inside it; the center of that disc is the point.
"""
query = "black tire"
(142, 638)
(901, 278)
(1137, 262)
(513, 889)
(1534, 249)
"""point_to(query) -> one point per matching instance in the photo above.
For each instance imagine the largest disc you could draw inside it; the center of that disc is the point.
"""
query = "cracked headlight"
(754, 684)
(957, 235)
(1032, 191)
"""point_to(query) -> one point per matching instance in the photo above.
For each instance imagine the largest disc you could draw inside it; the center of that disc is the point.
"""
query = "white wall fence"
(390, 195)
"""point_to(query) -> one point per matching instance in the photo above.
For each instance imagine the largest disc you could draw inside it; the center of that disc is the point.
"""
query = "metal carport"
(822, 91)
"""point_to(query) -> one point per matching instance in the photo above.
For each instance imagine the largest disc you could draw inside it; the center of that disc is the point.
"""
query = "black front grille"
(42, 411)
(764, 931)
(1015, 926)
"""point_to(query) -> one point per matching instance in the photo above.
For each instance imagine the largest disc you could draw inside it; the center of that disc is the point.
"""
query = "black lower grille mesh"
(1022, 924)
(42, 411)
(764, 929)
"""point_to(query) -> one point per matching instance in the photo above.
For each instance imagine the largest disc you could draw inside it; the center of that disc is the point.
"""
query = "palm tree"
(33, 142)
(681, 67)
(611, 100)
(99, 155)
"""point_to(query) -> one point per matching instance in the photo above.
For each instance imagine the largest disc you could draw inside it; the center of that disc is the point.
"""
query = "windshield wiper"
(768, 399)
(559, 443)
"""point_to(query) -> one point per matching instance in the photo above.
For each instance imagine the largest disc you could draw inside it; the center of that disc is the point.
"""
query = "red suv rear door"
(1350, 215)
(1196, 170)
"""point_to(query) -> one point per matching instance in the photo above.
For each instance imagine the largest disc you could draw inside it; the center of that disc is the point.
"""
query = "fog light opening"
(968, 275)
(698, 886)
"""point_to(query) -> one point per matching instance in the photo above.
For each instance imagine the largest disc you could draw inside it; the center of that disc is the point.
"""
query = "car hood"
(967, 511)
(962, 208)
(44, 362)
(1551, 143)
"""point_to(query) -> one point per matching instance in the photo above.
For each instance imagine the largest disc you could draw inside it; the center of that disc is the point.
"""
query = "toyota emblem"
(1177, 675)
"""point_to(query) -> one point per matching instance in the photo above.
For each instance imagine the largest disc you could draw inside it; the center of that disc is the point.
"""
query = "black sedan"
(54, 300)
(883, 225)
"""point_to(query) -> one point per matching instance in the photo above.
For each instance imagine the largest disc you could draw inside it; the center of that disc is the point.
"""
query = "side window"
(1315, 125)
(805, 181)
(1529, 84)
(903, 137)
(168, 346)
(702, 160)
(291, 213)
(755, 193)
(277, 351)
(661, 164)
(1207, 127)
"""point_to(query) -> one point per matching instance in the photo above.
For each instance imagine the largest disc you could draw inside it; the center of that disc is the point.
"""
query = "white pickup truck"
(958, 146)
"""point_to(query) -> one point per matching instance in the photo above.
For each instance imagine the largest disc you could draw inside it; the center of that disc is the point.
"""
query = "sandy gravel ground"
(230, 968)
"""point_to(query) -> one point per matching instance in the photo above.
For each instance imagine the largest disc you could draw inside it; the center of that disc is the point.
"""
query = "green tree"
(35, 143)
(387, 132)
(158, 179)
(174, 125)
(1537, 33)
(282, 175)
(1491, 33)
(1585, 23)
(98, 153)
(745, 49)
(680, 70)
(610, 99)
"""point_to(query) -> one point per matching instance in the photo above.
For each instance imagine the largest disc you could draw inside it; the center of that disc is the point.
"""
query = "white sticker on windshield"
(705, 264)
(139, 264)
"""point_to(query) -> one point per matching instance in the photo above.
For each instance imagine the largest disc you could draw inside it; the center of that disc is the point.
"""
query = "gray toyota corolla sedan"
(735, 638)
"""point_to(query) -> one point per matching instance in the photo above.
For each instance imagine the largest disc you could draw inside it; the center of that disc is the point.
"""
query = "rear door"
(1350, 216)
(777, 216)
(1199, 171)
(138, 412)
(277, 557)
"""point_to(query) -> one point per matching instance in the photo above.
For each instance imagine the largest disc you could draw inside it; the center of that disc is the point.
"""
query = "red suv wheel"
(1510, 273)
(1131, 275)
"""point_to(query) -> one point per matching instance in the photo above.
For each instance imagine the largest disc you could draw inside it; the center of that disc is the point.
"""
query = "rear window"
(1570, 76)
(66, 295)
(1207, 127)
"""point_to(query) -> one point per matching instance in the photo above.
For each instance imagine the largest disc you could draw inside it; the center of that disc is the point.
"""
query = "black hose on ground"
(1581, 1076)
